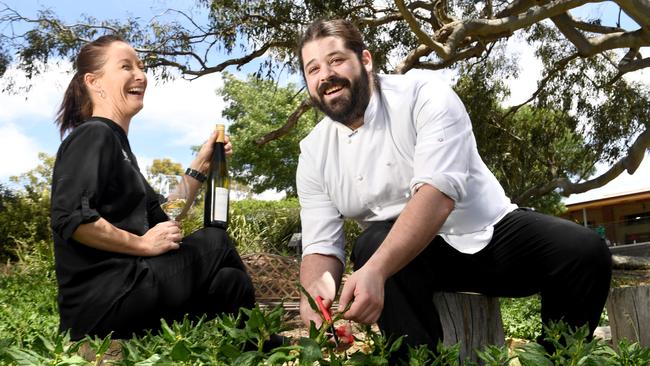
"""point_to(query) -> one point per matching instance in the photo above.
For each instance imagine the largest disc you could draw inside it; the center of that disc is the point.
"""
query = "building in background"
(621, 218)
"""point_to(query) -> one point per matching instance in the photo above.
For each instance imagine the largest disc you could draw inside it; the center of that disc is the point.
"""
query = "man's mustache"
(332, 81)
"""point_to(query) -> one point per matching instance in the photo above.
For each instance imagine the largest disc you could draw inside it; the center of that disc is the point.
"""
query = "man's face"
(337, 80)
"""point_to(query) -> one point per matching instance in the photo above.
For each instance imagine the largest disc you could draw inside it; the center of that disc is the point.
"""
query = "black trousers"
(205, 276)
(569, 265)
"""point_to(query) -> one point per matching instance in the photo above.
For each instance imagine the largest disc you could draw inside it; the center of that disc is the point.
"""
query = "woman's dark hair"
(344, 29)
(76, 106)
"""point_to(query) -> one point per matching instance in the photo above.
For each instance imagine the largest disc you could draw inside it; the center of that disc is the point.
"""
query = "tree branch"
(205, 70)
(439, 48)
(288, 125)
(628, 163)
(560, 65)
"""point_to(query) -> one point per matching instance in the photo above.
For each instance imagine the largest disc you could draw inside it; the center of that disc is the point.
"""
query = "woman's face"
(123, 82)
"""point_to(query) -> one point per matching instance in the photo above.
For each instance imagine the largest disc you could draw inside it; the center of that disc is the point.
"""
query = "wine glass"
(176, 193)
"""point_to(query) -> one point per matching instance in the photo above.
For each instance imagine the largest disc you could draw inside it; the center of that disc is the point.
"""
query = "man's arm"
(415, 228)
(319, 275)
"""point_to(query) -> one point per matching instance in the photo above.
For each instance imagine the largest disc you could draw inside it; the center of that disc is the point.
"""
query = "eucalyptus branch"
(559, 66)
(629, 163)
(474, 51)
(439, 48)
(375, 22)
(412, 59)
(630, 67)
(288, 125)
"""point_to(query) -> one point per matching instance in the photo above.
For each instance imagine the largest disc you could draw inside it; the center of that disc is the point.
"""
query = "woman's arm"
(102, 235)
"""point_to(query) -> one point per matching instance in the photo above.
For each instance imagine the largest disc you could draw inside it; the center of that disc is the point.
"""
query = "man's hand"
(366, 288)
(320, 275)
(307, 314)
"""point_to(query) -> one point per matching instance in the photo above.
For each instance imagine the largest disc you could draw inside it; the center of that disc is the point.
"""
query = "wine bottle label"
(220, 204)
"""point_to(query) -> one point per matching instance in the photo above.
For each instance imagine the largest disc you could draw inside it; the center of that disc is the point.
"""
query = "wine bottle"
(218, 188)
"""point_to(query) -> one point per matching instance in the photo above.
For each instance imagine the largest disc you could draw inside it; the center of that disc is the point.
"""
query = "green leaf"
(396, 345)
(311, 301)
(251, 358)
(281, 355)
(167, 333)
(229, 351)
(151, 361)
(532, 354)
(106, 343)
(311, 351)
(180, 352)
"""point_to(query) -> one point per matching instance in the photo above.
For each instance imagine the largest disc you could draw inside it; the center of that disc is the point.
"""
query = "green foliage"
(527, 149)
(590, 89)
(521, 317)
(255, 108)
(29, 336)
(164, 166)
(264, 226)
(570, 348)
(25, 214)
(28, 306)
(594, 115)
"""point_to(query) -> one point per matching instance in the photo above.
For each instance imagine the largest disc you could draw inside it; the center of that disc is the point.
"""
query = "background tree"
(165, 166)
(257, 107)
(25, 213)
(584, 59)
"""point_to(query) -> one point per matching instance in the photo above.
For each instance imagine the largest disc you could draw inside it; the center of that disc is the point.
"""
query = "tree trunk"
(629, 314)
(630, 262)
(473, 320)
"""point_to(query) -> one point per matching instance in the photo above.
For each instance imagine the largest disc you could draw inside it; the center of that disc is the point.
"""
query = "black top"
(96, 175)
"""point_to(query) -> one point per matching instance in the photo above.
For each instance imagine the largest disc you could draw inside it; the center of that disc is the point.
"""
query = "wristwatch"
(196, 175)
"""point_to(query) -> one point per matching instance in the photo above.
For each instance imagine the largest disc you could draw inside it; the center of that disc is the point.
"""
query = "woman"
(120, 264)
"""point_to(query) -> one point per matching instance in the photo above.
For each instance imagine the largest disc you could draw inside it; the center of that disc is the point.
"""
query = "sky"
(180, 113)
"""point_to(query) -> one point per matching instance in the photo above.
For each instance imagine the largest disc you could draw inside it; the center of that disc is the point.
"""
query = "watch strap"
(196, 175)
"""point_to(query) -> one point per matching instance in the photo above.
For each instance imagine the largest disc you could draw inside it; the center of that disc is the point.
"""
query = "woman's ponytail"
(77, 106)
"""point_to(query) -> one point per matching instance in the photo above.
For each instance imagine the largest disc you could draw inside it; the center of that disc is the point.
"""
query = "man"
(397, 154)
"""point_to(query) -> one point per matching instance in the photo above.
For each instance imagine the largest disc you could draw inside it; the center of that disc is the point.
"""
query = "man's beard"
(346, 108)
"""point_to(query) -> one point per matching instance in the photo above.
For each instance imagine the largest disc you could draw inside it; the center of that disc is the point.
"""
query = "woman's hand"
(102, 235)
(204, 157)
(161, 238)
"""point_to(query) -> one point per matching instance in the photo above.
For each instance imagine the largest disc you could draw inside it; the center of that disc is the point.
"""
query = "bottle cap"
(220, 132)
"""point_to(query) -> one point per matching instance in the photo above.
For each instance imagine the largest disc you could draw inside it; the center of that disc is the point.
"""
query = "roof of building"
(611, 199)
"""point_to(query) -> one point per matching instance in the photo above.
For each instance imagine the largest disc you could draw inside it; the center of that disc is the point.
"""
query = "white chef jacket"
(415, 131)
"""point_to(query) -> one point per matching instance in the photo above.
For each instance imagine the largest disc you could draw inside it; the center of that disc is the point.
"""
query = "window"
(637, 219)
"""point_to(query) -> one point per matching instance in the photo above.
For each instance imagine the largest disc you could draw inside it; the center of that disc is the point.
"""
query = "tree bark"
(473, 320)
(629, 314)
(630, 263)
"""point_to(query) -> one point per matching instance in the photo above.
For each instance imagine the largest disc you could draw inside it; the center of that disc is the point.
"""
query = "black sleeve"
(82, 171)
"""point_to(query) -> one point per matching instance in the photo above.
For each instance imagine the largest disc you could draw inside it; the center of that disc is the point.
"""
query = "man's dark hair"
(344, 29)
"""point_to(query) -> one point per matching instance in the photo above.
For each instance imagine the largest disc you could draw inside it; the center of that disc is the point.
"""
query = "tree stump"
(628, 309)
(473, 320)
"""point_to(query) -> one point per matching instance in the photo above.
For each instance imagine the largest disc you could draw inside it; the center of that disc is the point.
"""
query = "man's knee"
(593, 250)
